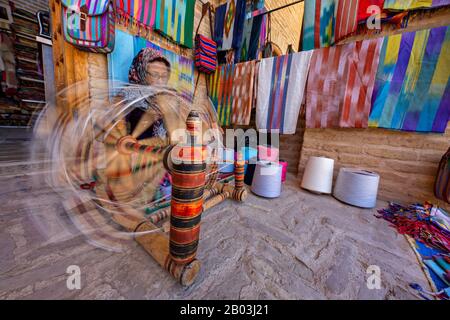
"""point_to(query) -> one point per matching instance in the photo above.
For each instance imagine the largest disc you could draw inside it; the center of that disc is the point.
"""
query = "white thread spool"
(318, 176)
(357, 187)
(267, 179)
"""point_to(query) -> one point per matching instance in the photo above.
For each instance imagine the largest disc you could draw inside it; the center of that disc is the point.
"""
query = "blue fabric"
(219, 24)
(238, 31)
(426, 253)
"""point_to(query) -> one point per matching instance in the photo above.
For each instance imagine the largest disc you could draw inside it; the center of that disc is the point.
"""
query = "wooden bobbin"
(188, 182)
(239, 172)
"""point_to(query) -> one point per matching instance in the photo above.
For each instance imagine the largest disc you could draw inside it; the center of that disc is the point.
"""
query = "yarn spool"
(227, 163)
(284, 164)
(357, 187)
(267, 179)
(318, 176)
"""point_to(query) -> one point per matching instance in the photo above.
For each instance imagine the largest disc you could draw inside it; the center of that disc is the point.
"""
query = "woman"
(150, 68)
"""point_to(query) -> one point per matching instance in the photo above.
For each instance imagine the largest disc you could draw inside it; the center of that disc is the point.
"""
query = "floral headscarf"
(137, 73)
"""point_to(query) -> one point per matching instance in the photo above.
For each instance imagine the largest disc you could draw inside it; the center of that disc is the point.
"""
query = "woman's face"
(157, 73)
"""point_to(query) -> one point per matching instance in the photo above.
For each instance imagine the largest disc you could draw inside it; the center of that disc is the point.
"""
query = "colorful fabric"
(413, 4)
(89, 24)
(219, 20)
(416, 221)
(281, 86)
(243, 80)
(319, 21)
(328, 21)
(346, 18)
(412, 88)
(233, 24)
(221, 92)
(120, 60)
(140, 12)
(175, 20)
(427, 253)
(340, 85)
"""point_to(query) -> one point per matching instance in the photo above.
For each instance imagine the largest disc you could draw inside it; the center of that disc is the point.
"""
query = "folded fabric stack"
(427, 229)
(31, 90)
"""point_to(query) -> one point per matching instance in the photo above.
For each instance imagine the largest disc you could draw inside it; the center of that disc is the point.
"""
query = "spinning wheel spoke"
(147, 119)
(154, 141)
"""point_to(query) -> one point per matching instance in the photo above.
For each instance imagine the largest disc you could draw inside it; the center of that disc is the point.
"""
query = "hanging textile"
(328, 21)
(242, 93)
(413, 4)
(246, 33)
(140, 12)
(119, 62)
(219, 20)
(346, 18)
(175, 20)
(412, 88)
(340, 85)
(281, 86)
(233, 24)
(221, 92)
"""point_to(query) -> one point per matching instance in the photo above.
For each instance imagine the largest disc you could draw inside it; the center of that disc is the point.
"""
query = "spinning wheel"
(115, 166)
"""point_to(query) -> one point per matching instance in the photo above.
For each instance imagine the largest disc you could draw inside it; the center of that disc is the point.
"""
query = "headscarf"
(137, 73)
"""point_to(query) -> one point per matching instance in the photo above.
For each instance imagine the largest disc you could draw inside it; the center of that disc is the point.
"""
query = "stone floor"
(299, 246)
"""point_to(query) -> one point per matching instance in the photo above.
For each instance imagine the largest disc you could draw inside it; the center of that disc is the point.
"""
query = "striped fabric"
(414, 4)
(281, 86)
(243, 80)
(340, 85)
(205, 54)
(346, 18)
(141, 12)
(412, 88)
(328, 21)
(220, 91)
(175, 20)
(93, 33)
(119, 62)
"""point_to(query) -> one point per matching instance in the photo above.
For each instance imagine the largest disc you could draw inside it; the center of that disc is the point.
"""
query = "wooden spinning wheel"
(120, 168)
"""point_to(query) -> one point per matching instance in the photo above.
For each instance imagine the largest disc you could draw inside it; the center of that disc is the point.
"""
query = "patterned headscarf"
(137, 73)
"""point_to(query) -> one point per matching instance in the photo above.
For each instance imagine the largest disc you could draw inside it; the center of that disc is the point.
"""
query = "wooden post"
(71, 64)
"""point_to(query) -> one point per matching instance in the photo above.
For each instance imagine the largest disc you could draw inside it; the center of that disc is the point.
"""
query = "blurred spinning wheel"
(106, 161)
